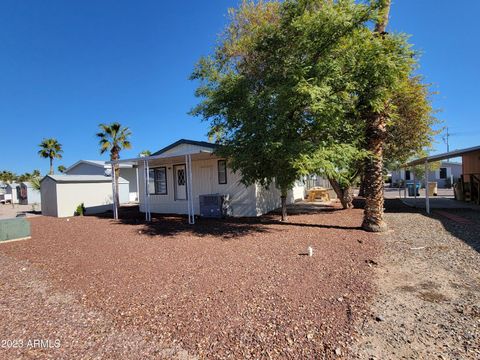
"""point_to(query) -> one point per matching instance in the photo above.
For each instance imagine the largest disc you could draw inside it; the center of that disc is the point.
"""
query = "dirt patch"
(428, 290)
(218, 289)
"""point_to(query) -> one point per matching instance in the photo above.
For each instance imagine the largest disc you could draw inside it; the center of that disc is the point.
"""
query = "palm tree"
(50, 149)
(376, 124)
(61, 169)
(113, 138)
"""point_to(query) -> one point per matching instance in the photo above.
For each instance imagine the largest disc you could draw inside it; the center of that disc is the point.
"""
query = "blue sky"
(66, 66)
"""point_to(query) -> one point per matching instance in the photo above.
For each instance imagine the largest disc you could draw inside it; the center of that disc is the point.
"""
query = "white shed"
(61, 194)
(28, 195)
(12, 190)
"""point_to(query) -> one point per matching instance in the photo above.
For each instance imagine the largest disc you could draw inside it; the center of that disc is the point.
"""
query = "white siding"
(244, 200)
(62, 199)
(269, 199)
(205, 181)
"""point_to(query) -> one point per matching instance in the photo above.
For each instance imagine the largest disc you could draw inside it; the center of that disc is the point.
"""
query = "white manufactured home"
(99, 167)
(174, 179)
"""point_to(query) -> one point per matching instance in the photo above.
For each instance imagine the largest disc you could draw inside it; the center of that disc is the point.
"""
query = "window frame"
(218, 171)
(155, 187)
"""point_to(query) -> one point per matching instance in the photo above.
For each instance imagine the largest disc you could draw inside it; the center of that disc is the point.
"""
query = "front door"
(180, 181)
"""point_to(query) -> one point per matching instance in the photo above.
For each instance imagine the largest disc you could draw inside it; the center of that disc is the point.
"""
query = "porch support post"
(427, 198)
(148, 214)
(114, 194)
(191, 208)
(138, 187)
(414, 184)
(145, 174)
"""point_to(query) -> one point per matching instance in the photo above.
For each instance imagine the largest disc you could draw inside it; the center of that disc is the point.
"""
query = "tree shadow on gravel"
(464, 224)
(174, 224)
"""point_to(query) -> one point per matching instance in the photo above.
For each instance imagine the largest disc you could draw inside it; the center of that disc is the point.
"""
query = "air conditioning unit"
(214, 205)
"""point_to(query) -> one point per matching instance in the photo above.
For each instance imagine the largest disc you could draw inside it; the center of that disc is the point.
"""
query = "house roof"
(13, 184)
(83, 178)
(443, 156)
(188, 142)
(99, 163)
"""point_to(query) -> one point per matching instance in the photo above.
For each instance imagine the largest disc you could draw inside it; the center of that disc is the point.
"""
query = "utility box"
(13, 229)
(212, 206)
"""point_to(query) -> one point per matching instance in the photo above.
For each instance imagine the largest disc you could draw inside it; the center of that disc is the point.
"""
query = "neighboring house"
(168, 175)
(98, 167)
(445, 176)
(12, 192)
(27, 194)
(62, 194)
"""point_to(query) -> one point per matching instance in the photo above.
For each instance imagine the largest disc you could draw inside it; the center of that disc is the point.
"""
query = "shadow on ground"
(173, 224)
(466, 228)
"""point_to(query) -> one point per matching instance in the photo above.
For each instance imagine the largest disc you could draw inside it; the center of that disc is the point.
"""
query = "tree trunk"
(373, 175)
(375, 134)
(361, 190)
(116, 173)
(51, 166)
(283, 199)
(345, 195)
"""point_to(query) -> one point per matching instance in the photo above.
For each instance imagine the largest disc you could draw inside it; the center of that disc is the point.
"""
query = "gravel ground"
(428, 302)
(237, 289)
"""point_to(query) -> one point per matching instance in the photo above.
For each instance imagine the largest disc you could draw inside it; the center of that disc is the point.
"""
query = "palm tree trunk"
(51, 166)
(375, 134)
(373, 175)
(116, 173)
(345, 195)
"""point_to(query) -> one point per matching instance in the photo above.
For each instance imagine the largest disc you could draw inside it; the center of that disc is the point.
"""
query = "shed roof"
(83, 178)
(98, 163)
(443, 156)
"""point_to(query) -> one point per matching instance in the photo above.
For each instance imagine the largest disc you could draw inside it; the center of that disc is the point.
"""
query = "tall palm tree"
(376, 127)
(113, 138)
(50, 149)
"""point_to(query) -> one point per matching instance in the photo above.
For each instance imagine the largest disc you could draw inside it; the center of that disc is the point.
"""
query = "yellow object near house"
(318, 193)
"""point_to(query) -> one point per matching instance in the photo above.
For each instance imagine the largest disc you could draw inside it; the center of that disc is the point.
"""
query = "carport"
(470, 171)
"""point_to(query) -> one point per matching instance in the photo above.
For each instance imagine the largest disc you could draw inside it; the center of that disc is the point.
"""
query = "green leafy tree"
(50, 149)
(275, 88)
(113, 139)
(61, 169)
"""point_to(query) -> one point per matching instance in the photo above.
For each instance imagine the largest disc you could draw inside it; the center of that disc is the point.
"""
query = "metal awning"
(443, 156)
(428, 159)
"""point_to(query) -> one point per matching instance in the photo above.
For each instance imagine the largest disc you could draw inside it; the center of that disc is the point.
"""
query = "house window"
(158, 181)
(407, 174)
(443, 173)
(222, 171)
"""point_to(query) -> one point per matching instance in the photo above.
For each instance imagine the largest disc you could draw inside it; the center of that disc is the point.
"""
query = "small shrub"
(80, 210)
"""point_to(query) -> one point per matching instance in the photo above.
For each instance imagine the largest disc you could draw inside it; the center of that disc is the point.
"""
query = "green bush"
(80, 210)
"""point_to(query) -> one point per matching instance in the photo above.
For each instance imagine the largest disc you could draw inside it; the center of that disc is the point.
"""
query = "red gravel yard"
(218, 289)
